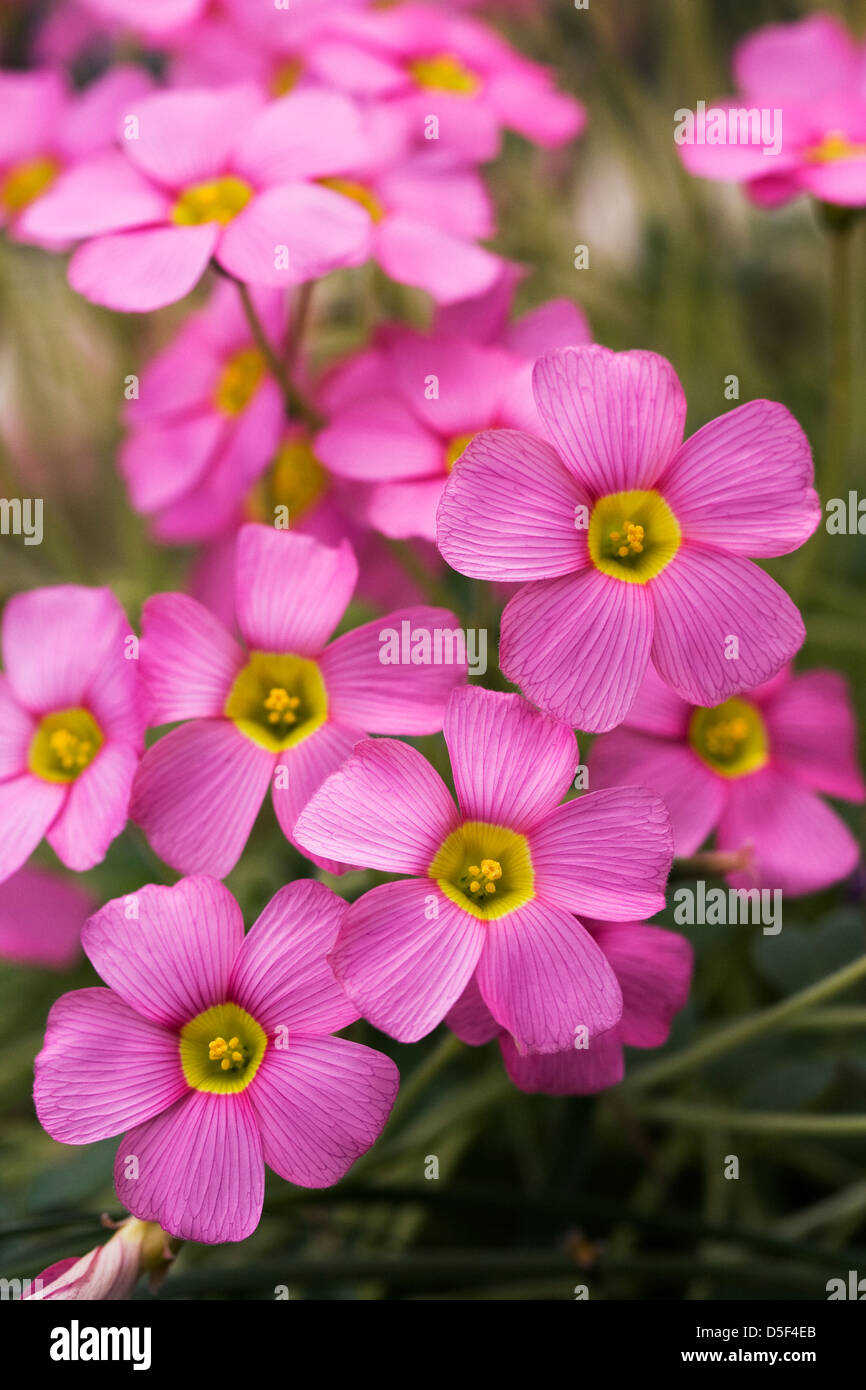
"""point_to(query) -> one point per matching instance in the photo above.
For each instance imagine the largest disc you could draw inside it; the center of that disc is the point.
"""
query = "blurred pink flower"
(633, 543)
(207, 419)
(814, 74)
(494, 880)
(654, 969)
(210, 174)
(751, 769)
(45, 129)
(283, 714)
(212, 1051)
(71, 726)
(41, 916)
(401, 413)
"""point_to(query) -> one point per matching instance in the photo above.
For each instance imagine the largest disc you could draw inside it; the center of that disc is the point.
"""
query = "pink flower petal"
(404, 698)
(78, 630)
(558, 323)
(197, 794)
(305, 135)
(508, 511)
(605, 855)
(188, 660)
(96, 808)
(799, 845)
(28, 807)
(658, 709)
(405, 954)
(41, 916)
(321, 1104)
(579, 646)
(187, 137)
(654, 969)
(281, 975)
(616, 418)
(414, 253)
(378, 436)
(573, 1072)
(542, 977)
(841, 181)
(290, 591)
(472, 381)
(103, 194)
(164, 461)
(201, 1173)
(813, 734)
(135, 272)
(512, 764)
(16, 732)
(744, 482)
(293, 233)
(385, 809)
(299, 773)
(784, 62)
(110, 1088)
(471, 1019)
(705, 598)
(694, 795)
(168, 952)
(400, 510)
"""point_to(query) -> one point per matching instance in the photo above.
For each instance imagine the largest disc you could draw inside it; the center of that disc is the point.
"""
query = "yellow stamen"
(445, 72)
(64, 744)
(25, 182)
(218, 200)
(296, 481)
(239, 381)
(358, 193)
(212, 1064)
(834, 146)
(731, 738)
(278, 700)
(480, 884)
(633, 535)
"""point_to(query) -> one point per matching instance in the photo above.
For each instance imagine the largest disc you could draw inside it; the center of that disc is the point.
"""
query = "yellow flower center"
(239, 381)
(221, 1049)
(26, 181)
(64, 744)
(444, 72)
(278, 701)
(731, 738)
(633, 535)
(359, 193)
(295, 480)
(835, 145)
(286, 77)
(455, 448)
(485, 869)
(218, 200)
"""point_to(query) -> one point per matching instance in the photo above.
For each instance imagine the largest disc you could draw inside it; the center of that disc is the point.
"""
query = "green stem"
(735, 1034)
(433, 1064)
(751, 1121)
(297, 407)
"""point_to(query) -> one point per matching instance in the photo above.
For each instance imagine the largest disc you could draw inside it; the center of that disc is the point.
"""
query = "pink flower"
(283, 714)
(111, 1271)
(812, 73)
(401, 413)
(653, 967)
(46, 129)
(750, 769)
(634, 543)
(151, 17)
(41, 916)
(211, 174)
(425, 63)
(71, 728)
(494, 880)
(212, 1051)
(207, 420)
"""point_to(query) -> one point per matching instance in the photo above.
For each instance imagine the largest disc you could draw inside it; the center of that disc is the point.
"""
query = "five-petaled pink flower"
(494, 880)
(751, 769)
(210, 174)
(654, 969)
(633, 542)
(286, 712)
(808, 78)
(71, 727)
(211, 1052)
